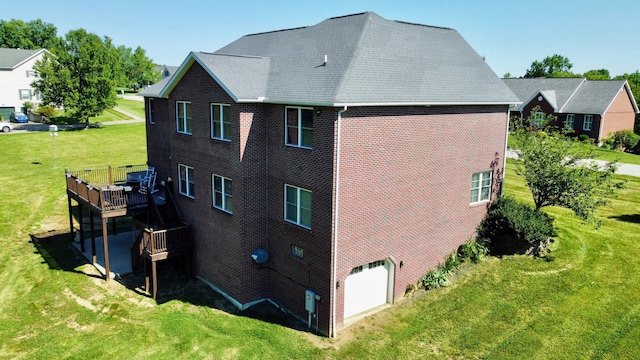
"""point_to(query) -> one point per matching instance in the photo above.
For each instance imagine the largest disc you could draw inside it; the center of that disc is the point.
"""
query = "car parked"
(18, 117)
(5, 126)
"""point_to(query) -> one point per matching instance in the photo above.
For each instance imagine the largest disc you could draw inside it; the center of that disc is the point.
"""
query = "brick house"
(596, 108)
(326, 168)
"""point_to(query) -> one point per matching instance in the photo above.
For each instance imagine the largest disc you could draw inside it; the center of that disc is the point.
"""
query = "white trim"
(336, 208)
(223, 181)
(151, 111)
(184, 115)
(584, 121)
(480, 186)
(573, 123)
(187, 179)
(223, 108)
(298, 206)
(298, 126)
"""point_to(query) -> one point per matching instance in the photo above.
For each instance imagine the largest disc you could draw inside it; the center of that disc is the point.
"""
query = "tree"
(634, 83)
(34, 34)
(555, 171)
(79, 76)
(600, 74)
(136, 68)
(552, 66)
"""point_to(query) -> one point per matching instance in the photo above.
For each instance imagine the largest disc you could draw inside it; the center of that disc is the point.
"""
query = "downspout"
(334, 331)
(506, 146)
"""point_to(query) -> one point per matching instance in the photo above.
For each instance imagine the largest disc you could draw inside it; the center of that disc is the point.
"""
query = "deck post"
(154, 278)
(92, 228)
(110, 176)
(70, 217)
(81, 221)
(105, 244)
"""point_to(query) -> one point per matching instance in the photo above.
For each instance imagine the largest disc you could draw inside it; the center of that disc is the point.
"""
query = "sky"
(509, 34)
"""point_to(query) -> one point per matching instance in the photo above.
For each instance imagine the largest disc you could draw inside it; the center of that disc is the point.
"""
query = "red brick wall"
(405, 185)
(619, 116)
(223, 242)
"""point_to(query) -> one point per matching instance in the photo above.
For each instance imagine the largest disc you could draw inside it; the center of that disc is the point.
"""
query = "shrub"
(47, 111)
(472, 250)
(512, 226)
(436, 278)
(623, 140)
(583, 137)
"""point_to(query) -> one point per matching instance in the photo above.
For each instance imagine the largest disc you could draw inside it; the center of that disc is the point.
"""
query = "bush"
(47, 111)
(584, 138)
(513, 227)
(623, 140)
(472, 251)
(436, 278)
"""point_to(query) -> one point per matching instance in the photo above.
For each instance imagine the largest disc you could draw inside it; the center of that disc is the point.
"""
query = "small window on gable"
(480, 187)
(32, 73)
(299, 127)
(183, 117)
(587, 125)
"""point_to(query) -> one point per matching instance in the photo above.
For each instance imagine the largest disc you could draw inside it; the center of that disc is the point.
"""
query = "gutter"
(334, 283)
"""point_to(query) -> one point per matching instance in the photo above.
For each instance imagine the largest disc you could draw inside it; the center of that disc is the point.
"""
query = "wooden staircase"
(166, 237)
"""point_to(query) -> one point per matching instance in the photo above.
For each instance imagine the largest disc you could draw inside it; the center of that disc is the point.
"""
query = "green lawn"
(582, 302)
(132, 106)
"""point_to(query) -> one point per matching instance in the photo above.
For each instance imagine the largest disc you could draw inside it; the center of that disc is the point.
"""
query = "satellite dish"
(260, 256)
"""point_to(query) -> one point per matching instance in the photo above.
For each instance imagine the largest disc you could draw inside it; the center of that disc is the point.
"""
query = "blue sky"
(510, 34)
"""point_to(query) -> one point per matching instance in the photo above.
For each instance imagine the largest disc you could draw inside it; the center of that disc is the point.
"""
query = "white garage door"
(366, 287)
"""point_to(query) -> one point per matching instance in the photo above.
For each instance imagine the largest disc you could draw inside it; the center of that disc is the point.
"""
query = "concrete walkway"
(623, 169)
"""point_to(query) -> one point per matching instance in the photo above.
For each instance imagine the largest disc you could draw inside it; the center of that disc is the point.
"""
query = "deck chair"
(148, 184)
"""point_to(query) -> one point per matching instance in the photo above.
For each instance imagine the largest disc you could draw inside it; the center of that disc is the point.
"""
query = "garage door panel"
(366, 289)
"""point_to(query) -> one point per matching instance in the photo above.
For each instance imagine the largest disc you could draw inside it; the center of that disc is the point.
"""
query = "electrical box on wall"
(310, 301)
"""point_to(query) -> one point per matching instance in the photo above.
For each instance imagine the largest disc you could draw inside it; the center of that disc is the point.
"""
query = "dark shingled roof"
(12, 58)
(369, 61)
(571, 95)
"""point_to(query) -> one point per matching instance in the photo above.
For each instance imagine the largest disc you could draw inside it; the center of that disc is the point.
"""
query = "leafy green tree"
(600, 74)
(34, 34)
(551, 66)
(634, 83)
(79, 76)
(140, 69)
(555, 171)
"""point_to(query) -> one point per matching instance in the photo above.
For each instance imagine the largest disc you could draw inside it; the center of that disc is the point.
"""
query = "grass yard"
(131, 106)
(581, 302)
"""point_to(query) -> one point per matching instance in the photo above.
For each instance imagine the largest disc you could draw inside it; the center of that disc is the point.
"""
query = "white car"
(5, 127)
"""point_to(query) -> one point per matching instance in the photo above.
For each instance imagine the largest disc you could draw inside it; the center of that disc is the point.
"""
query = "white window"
(25, 94)
(183, 117)
(151, 112)
(220, 122)
(297, 206)
(222, 193)
(297, 251)
(32, 73)
(299, 127)
(480, 187)
(588, 123)
(569, 121)
(538, 119)
(186, 184)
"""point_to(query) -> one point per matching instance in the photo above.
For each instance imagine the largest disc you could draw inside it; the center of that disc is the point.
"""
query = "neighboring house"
(16, 76)
(326, 168)
(596, 108)
(165, 70)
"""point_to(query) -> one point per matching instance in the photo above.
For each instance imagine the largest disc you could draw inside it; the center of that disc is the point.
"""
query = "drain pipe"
(334, 331)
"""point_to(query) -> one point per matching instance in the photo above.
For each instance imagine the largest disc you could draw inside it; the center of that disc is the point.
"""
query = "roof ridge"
(575, 91)
(232, 55)
(425, 25)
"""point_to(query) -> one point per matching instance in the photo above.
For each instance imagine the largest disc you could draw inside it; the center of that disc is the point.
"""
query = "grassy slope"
(582, 303)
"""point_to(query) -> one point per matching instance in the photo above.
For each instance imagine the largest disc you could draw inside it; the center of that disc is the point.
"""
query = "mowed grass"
(581, 302)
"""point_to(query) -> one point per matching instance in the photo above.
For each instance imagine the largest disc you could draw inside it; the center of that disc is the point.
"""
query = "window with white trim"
(151, 111)
(537, 119)
(297, 251)
(480, 187)
(299, 127)
(222, 193)
(569, 121)
(587, 125)
(297, 206)
(220, 122)
(186, 181)
(183, 117)
(25, 94)
(32, 73)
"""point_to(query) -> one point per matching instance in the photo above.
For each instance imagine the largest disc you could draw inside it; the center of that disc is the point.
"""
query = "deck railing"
(162, 241)
(107, 188)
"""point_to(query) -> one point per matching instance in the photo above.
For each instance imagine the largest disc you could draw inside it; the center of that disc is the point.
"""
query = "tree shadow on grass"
(631, 218)
(58, 252)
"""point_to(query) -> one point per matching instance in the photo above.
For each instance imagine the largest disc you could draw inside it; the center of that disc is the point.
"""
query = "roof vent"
(326, 58)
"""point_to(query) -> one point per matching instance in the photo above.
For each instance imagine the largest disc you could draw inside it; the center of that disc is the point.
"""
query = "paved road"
(623, 169)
